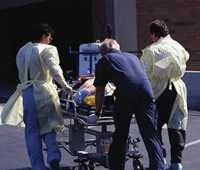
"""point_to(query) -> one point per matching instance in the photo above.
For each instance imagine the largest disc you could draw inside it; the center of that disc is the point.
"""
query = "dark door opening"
(71, 20)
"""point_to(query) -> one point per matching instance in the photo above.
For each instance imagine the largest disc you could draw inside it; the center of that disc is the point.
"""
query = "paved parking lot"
(14, 157)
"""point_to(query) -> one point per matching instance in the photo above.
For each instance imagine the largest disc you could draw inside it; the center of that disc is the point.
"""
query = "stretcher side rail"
(100, 137)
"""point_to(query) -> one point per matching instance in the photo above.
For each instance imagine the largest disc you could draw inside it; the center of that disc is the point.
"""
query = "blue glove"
(80, 95)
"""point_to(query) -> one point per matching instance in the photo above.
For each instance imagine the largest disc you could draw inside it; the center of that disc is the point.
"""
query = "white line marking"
(192, 143)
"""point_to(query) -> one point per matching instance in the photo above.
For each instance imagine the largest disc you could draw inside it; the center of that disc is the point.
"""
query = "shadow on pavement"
(28, 168)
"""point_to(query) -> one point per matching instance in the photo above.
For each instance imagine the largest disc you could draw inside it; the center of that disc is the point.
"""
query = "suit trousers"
(146, 116)
(177, 137)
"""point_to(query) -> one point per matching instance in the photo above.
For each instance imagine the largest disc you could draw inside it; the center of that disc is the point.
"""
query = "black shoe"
(54, 165)
(104, 161)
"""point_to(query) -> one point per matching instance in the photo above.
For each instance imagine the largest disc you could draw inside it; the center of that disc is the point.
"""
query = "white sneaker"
(176, 166)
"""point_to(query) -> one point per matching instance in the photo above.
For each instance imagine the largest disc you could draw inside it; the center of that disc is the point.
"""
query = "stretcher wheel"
(83, 167)
(137, 165)
(91, 165)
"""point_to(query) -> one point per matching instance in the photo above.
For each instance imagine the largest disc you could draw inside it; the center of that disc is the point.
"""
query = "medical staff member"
(38, 65)
(133, 96)
(165, 63)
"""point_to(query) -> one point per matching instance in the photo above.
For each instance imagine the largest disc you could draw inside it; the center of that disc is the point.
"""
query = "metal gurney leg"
(77, 142)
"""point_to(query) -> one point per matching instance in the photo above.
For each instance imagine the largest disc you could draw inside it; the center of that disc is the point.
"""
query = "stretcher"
(89, 143)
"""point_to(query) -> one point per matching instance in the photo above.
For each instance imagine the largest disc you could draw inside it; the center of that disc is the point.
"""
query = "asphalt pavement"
(13, 155)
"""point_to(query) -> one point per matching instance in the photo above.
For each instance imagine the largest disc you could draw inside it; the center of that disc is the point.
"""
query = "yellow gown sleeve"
(51, 60)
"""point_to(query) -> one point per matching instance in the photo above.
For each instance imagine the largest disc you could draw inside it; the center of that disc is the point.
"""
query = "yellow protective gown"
(165, 62)
(42, 60)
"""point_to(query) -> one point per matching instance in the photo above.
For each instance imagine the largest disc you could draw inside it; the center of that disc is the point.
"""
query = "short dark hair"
(159, 28)
(40, 29)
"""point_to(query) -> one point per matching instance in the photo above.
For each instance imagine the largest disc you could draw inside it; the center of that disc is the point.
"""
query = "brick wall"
(183, 19)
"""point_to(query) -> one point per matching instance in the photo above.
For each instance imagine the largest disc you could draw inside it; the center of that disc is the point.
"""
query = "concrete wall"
(121, 16)
(192, 80)
(102, 13)
(125, 24)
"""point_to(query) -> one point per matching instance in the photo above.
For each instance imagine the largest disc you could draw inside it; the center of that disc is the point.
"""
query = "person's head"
(42, 33)
(158, 28)
(107, 45)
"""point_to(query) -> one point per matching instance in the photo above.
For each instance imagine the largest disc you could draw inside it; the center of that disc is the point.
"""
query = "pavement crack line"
(192, 143)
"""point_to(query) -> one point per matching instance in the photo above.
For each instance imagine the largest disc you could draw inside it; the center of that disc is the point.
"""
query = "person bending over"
(133, 96)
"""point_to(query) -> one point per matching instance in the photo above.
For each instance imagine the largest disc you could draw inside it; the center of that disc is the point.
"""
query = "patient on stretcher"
(86, 93)
(84, 99)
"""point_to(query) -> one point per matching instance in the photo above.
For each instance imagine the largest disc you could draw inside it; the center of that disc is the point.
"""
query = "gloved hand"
(92, 119)
(59, 78)
(68, 89)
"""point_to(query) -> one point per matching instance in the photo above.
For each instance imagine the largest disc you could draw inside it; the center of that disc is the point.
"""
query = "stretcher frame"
(77, 144)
